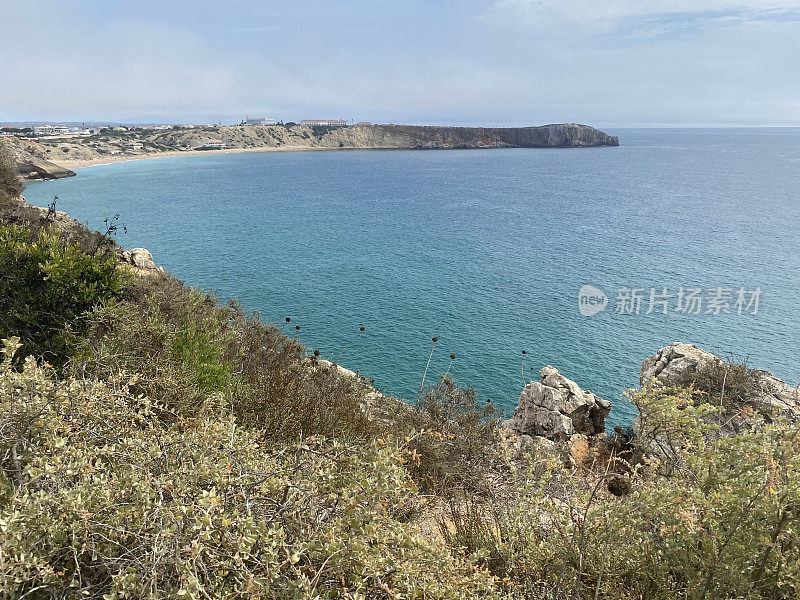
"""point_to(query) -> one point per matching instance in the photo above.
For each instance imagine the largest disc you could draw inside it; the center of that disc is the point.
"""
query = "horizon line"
(433, 123)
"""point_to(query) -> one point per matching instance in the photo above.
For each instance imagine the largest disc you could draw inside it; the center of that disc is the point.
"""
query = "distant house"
(363, 123)
(258, 121)
(326, 122)
(134, 146)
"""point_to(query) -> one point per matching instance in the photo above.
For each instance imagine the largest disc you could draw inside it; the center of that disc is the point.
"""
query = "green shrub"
(10, 183)
(47, 287)
(452, 440)
(185, 350)
(702, 517)
(170, 351)
(102, 500)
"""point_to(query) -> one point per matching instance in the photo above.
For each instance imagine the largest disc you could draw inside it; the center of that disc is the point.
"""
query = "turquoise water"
(485, 249)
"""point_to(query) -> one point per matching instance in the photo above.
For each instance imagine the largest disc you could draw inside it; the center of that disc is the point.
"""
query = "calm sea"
(487, 250)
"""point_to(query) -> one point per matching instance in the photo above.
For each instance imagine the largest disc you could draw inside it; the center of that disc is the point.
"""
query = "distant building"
(258, 121)
(363, 123)
(134, 146)
(50, 130)
(326, 122)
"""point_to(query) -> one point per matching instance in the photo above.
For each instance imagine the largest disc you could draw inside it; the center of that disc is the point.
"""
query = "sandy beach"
(105, 160)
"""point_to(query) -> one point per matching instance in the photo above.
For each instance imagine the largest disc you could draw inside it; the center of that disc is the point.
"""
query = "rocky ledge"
(31, 162)
(747, 396)
(557, 410)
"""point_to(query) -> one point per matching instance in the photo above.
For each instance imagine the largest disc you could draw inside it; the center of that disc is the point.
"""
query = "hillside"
(158, 443)
(47, 157)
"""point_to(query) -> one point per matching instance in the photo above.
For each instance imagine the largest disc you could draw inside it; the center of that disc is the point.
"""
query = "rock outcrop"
(556, 408)
(672, 364)
(679, 364)
(140, 257)
(141, 260)
(31, 161)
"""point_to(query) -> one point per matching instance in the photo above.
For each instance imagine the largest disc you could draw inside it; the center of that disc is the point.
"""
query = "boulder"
(674, 364)
(677, 363)
(141, 258)
(557, 408)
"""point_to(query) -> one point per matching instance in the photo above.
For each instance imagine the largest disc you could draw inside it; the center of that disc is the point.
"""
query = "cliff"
(41, 159)
(33, 160)
(386, 137)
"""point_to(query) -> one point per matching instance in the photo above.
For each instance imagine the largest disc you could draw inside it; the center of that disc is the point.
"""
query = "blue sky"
(501, 62)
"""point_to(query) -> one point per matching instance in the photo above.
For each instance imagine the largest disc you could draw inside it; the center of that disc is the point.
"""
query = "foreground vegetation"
(155, 443)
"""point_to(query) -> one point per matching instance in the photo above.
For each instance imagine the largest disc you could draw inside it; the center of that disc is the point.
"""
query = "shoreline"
(108, 160)
(55, 158)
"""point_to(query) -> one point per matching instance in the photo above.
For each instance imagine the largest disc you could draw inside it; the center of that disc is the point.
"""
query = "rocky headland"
(51, 158)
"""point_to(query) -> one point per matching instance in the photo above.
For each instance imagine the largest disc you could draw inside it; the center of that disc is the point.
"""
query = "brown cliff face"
(387, 136)
(31, 162)
(568, 135)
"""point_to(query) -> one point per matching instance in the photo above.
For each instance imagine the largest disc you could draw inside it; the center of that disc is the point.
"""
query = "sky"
(466, 62)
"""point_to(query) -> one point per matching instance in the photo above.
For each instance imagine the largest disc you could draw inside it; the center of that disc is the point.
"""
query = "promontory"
(53, 157)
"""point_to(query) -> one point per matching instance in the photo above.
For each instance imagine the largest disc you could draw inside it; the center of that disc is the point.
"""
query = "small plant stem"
(350, 343)
(444, 377)
(428, 364)
(605, 552)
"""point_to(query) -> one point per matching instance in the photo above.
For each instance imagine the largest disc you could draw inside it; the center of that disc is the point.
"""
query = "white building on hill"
(50, 130)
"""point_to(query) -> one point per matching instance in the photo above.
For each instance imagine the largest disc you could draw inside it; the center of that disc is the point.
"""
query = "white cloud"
(457, 67)
(607, 15)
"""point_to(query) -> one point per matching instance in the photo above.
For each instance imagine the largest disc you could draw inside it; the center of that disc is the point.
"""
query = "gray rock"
(141, 258)
(673, 364)
(557, 408)
(676, 363)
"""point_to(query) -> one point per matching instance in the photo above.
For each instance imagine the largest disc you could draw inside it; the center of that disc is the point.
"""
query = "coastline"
(54, 158)
(107, 160)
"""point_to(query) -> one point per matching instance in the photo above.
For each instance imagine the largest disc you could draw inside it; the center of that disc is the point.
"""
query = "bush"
(101, 500)
(10, 183)
(452, 440)
(47, 287)
(285, 393)
(185, 350)
(729, 384)
(168, 346)
(699, 518)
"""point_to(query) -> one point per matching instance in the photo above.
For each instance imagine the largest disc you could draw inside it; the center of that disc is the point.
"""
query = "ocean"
(487, 250)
